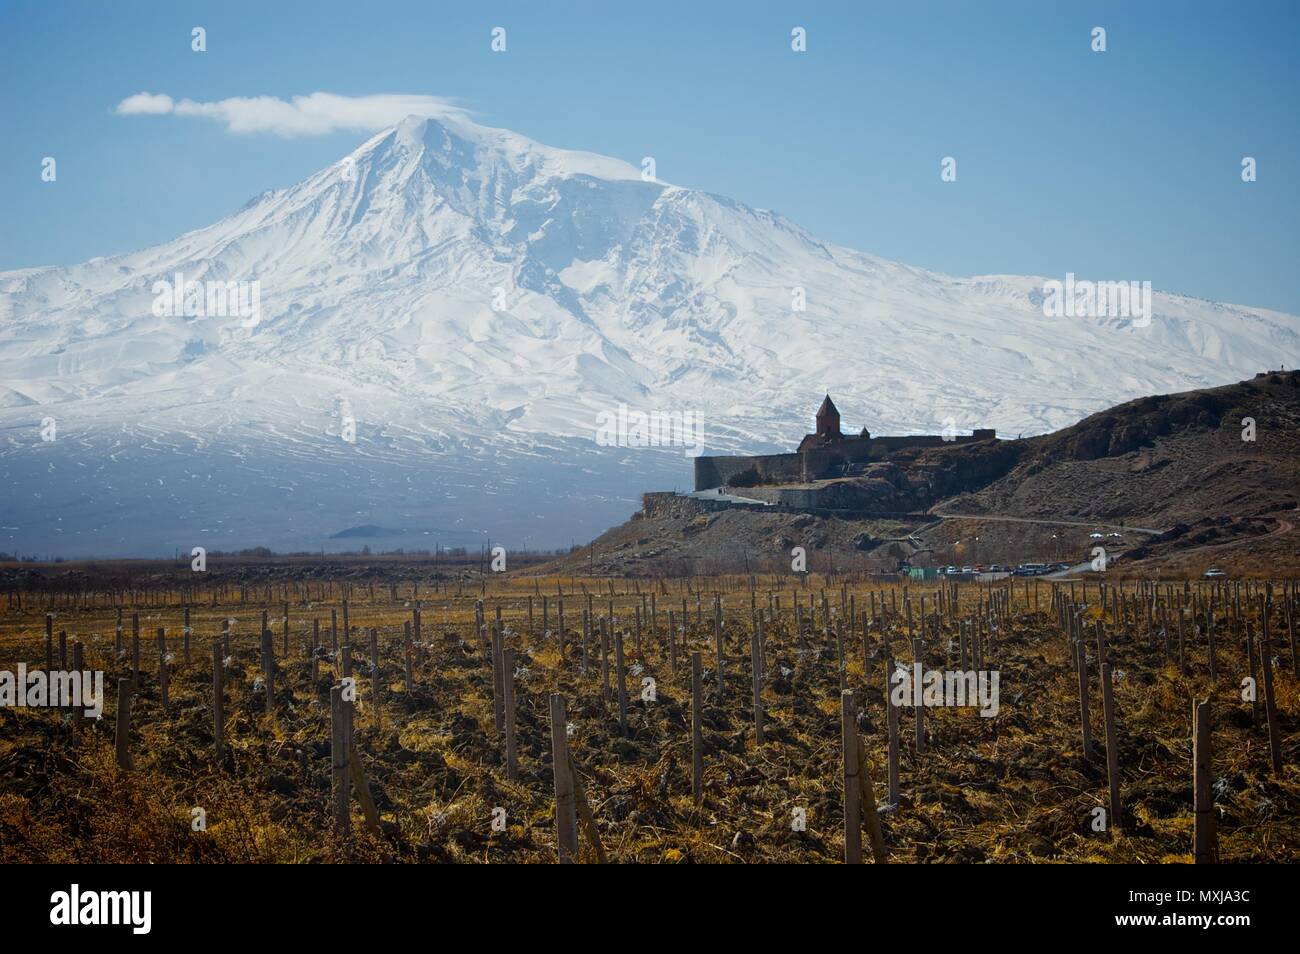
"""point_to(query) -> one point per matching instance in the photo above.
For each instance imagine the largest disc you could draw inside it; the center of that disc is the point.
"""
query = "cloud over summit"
(311, 115)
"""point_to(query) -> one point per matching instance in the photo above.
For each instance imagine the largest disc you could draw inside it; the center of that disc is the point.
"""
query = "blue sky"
(1115, 165)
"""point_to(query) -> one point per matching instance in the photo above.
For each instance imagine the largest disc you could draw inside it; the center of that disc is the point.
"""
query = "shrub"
(746, 478)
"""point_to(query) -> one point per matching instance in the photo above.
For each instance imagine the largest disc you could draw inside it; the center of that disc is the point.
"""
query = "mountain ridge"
(1172, 483)
(465, 294)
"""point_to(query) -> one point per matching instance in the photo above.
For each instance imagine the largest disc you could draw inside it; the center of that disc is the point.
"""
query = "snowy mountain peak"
(473, 300)
(455, 141)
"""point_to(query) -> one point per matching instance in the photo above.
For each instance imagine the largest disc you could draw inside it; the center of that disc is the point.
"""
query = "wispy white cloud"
(312, 115)
(145, 104)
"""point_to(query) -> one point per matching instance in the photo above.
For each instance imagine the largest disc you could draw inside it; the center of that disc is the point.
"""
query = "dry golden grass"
(1014, 788)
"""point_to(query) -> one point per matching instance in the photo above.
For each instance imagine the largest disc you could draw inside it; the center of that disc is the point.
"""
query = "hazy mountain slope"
(378, 279)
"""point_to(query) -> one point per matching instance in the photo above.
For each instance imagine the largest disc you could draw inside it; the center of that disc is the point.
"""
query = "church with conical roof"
(827, 427)
(824, 454)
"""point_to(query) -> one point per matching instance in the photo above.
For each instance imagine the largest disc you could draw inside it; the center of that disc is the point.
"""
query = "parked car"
(1096, 536)
(1214, 573)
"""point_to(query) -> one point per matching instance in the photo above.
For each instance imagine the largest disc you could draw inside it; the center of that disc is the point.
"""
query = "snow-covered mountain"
(446, 314)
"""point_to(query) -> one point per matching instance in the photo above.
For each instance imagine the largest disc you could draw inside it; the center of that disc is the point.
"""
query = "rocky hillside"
(1160, 461)
(1177, 476)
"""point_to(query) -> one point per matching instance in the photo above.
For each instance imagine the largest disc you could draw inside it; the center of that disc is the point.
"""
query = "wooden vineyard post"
(604, 659)
(1209, 635)
(918, 709)
(311, 654)
(162, 672)
(268, 669)
(78, 665)
(1182, 653)
(508, 682)
(622, 682)
(756, 664)
(1112, 746)
(1254, 673)
(1206, 839)
(498, 683)
(852, 784)
(406, 648)
(63, 650)
(135, 648)
(840, 662)
(559, 633)
(892, 728)
(672, 643)
(892, 721)
(357, 776)
(718, 647)
(584, 813)
(697, 730)
(586, 638)
(874, 835)
(340, 757)
(123, 734)
(218, 702)
(1290, 629)
(566, 812)
(374, 671)
(866, 651)
(185, 636)
(1072, 623)
(654, 622)
(1270, 706)
(1081, 653)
